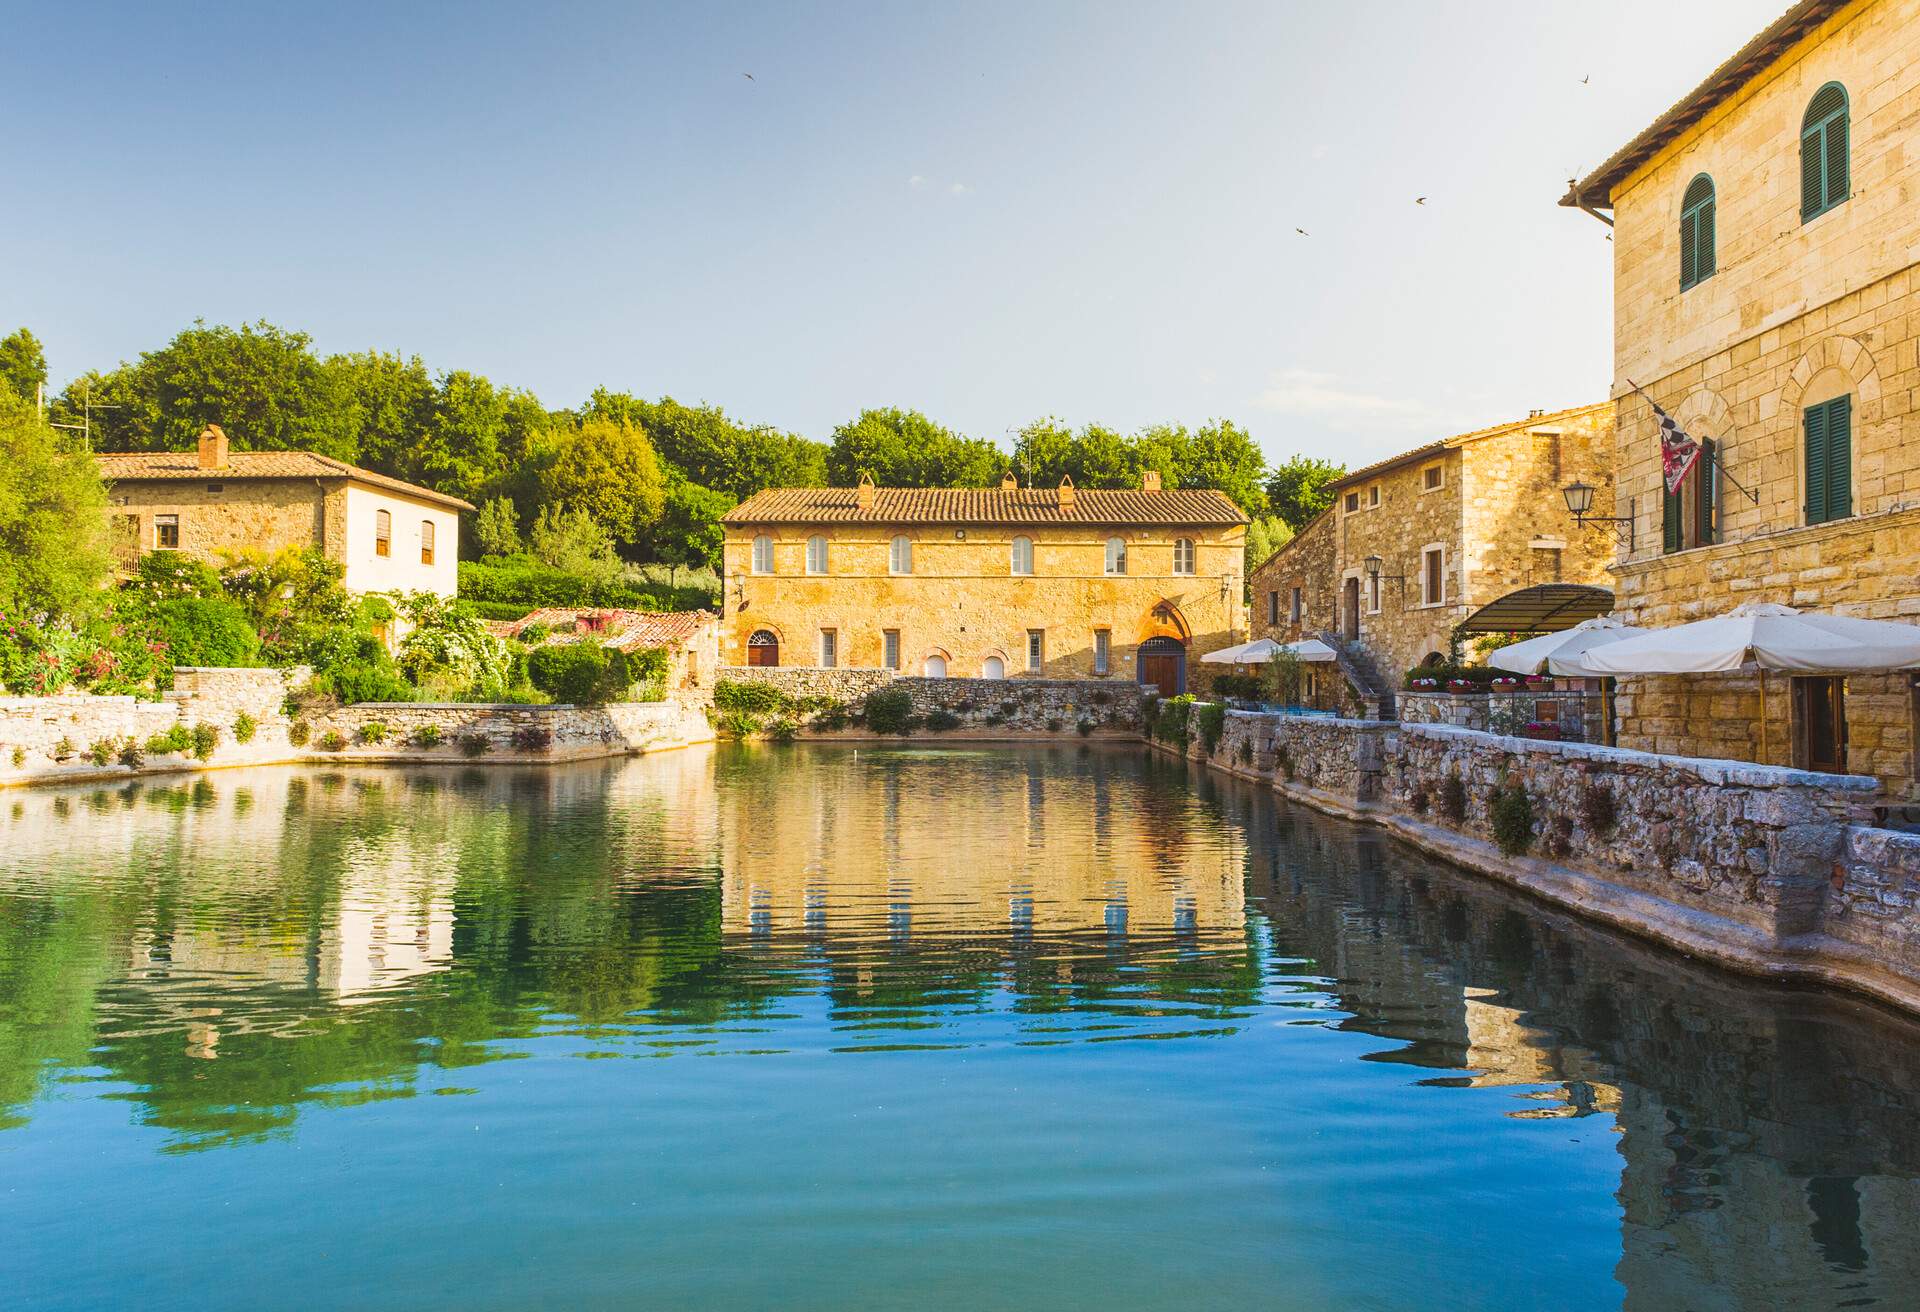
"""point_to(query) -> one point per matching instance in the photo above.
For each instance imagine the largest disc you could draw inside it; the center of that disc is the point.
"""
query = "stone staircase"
(1362, 675)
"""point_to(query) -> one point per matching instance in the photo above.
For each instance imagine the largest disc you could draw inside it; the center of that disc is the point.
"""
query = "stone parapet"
(843, 685)
(413, 731)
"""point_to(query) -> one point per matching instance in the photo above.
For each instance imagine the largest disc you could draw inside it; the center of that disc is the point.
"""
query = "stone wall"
(986, 706)
(1874, 900)
(414, 731)
(843, 685)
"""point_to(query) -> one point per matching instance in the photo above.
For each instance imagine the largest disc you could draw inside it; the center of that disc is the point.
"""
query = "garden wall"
(984, 707)
(1767, 869)
(416, 731)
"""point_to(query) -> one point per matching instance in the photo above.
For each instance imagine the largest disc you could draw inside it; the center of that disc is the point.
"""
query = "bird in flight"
(1419, 200)
(1303, 232)
(1588, 78)
(747, 76)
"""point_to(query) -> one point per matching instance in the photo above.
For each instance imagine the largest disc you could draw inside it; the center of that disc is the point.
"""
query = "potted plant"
(1462, 685)
(1423, 684)
(1539, 681)
(1543, 729)
(1506, 683)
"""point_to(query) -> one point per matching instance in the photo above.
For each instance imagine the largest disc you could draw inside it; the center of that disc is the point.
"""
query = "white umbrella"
(1309, 649)
(1247, 653)
(1769, 636)
(1562, 652)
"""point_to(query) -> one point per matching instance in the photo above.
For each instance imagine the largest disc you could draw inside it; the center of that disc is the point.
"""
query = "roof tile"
(185, 466)
(970, 505)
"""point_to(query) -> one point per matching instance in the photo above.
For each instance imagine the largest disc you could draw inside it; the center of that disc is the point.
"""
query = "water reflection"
(228, 956)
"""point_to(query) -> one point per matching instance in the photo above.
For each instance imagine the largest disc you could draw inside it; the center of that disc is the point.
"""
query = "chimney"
(1008, 482)
(866, 492)
(213, 447)
(1150, 481)
(1066, 492)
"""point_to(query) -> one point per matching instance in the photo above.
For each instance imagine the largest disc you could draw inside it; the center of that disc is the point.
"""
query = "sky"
(990, 212)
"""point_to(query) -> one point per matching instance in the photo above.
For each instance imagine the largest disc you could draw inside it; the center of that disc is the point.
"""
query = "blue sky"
(990, 212)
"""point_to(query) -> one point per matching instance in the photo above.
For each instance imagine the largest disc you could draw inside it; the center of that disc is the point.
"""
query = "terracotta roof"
(120, 467)
(1461, 439)
(1752, 59)
(971, 505)
(627, 629)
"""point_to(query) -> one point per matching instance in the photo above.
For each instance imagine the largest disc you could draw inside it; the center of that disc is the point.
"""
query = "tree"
(688, 531)
(1265, 535)
(713, 451)
(1222, 456)
(54, 552)
(608, 470)
(496, 529)
(904, 448)
(23, 364)
(571, 540)
(1301, 488)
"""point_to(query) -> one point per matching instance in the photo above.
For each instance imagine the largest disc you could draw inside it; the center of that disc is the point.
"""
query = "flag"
(1678, 452)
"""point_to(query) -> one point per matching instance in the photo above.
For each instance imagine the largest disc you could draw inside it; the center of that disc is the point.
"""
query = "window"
(1102, 650)
(1829, 434)
(1823, 152)
(1299, 606)
(900, 556)
(763, 648)
(1433, 478)
(1373, 496)
(816, 555)
(1696, 232)
(1688, 517)
(1433, 576)
(1022, 556)
(1373, 594)
(994, 668)
(166, 532)
(1273, 608)
(1352, 502)
(936, 666)
(829, 648)
(1036, 649)
(890, 649)
(426, 542)
(1183, 555)
(1116, 556)
(382, 533)
(763, 555)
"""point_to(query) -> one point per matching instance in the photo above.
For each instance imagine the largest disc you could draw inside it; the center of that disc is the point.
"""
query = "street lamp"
(1373, 565)
(1579, 497)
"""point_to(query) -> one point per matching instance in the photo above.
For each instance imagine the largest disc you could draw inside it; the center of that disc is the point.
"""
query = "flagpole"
(1720, 466)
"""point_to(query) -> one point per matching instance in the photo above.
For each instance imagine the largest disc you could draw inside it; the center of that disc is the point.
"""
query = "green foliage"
(1219, 455)
(904, 448)
(496, 529)
(101, 753)
(580, 673)
(178, 738)
(942, 720)
(1598, 809)
(244, 727)
(352, 665)
(208, 631)
(23, 364)
(688, 531)
(130, 754)
(1084, 728)
(1512, 816)
(527, 583)
(373, 732)
(53, 520)
(533, 738)
(206, 737)
(292, 597)
(448, 654)
(64, 749)
(19, 757)
(427, 737)
(606, 470)
(1212, 719)
(1265, 536)
(1246, 687)
(574, 543)
(475, 744)
(752, 697)
(1480, 676)
(783, 728)
(738, 724)
(298, 732)
(1301, 488)
(1170, 719)
(331, 741)
(889, 710)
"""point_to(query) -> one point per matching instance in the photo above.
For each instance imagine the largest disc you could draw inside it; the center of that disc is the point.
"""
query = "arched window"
(816, 555)
(1116, 555)
(763, 648)
(900, 556)
(936, 667)
(763, 555)
(1183, 555)
(1823, 152)
(995, 668)
(1023, 555)
(1696, 232)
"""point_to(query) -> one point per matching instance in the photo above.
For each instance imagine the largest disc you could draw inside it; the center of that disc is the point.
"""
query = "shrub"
(244, 727)
(331, 741)
(942, 721)
(1101, 698)
(427, 736)
(1245, 686)
(64, 750)
(1598, 810)
(580, 673)
(889, 710)
(475, 744)
(1056, 725)
(535, 634)
(1009, 707)
(1418, 800)
(783, 728)
(206, 737)
(101, 753)
(1084, 728)
(372, 732)
(1170, 722)
(738, 724)
(1453, 799)
(525, 582)
(533, 738)
(752, 697)
(1559, 836)
(1212, 717)
(205, 631)
(130, 754)
(298, 732)
(1512, 816)
(178, 738)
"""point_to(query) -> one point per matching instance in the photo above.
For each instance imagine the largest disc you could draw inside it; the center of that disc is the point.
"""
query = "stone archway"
(763, 648)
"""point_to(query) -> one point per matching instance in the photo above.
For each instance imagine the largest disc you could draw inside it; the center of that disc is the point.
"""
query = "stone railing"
(471, 730)
(1873, 901)
(1578, 716)
(982, 706)
(843, 685)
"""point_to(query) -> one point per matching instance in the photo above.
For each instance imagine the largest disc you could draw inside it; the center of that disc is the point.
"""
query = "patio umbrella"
(1767, 636)
(1309, 649)
(1560, 653)
(1247, 653)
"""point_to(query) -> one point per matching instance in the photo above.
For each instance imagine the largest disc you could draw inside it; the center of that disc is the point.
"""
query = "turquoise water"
(811, 1027)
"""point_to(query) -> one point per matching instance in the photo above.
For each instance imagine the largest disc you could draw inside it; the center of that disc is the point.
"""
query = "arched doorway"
(995, 668)
(936, 667)
(763, 648)
(1162, 664)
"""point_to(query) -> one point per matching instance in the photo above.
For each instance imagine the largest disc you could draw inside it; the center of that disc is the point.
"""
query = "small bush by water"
(889, 710)
(1512, 816)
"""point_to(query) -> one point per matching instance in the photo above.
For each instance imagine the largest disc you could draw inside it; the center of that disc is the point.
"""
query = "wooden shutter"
(1835, 135)
(1839, 457)
(1671, 519)
(1815, 422)
(1689, 264)
(1812, 184)
(1703, 261)
(1706, 487)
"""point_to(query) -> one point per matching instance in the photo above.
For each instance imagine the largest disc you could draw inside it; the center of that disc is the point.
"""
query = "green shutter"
(1689, 265)
(1670, 512)
(1706, 490)
(1703, 255)
(1836, 139)
(1815, 421)
(1812, 185)
(1839, 457)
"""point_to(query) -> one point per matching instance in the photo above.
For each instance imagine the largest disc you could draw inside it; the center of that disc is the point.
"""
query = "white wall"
(401, 571)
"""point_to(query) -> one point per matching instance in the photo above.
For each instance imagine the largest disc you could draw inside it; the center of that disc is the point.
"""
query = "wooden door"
(1161, 670)
(1350, 609)
(1820, 724)
(763, 649)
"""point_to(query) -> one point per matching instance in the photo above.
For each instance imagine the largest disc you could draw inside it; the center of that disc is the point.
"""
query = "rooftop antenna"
(85, 428)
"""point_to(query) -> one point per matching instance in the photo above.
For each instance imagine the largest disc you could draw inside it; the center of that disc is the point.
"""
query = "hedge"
(580, 673)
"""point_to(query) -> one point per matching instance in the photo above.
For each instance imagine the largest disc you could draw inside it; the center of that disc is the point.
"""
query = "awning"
(1768, 636)
(1543, 608)
(1562, 653)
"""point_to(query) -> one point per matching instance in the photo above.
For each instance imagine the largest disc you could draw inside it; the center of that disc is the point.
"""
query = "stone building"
(390, 536)
(985, 582)
(1414, 544)
(1784, 331)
